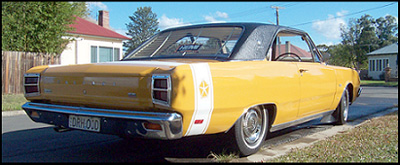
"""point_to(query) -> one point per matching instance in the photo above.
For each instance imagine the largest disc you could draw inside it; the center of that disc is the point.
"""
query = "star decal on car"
(203, 89)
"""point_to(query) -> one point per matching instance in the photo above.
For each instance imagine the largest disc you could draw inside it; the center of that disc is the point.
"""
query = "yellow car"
(242, 79)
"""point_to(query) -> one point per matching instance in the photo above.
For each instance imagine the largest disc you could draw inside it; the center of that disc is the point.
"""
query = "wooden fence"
(15, 64)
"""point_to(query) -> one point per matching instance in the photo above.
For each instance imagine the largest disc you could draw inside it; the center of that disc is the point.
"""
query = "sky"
(322, 20)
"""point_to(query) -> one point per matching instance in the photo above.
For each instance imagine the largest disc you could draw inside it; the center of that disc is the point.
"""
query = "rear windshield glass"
(202, 41)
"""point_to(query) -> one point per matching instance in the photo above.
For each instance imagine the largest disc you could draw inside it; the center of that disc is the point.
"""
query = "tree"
(144, 24)
(339, 54)
(386, 30)
(342, 55)
(361, 38)
(38, 26)
(80, 9)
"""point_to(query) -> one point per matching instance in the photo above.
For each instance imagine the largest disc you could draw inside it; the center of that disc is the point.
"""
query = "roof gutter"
(102, 37)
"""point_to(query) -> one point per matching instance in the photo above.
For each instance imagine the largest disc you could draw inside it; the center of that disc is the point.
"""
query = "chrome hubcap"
(252, 124)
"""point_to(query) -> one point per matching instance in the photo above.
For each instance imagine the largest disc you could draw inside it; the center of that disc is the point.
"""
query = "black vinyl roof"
(247, 25)
(248, 46)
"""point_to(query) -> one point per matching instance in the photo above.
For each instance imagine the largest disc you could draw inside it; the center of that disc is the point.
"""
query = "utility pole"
(277, 23)
(277, 13)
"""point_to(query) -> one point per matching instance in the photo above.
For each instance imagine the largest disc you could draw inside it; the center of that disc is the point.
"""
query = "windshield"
(202, 41)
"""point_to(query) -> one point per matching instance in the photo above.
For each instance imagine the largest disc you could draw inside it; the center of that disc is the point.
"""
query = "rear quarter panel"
(346, 77)
(241, 85)
(236, 86)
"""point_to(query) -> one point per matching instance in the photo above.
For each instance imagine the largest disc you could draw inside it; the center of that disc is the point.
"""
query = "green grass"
(223, 157)
(374, 141)
(379, 83)
(12, 102)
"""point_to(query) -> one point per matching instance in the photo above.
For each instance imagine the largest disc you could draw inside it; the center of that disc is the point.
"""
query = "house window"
(371, 65)
(93, 51)
(379, 65)
(385, 63)
(104, 54)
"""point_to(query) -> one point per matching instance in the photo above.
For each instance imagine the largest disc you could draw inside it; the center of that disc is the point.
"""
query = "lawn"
(12, 102)
(378, 83)
(374, 141)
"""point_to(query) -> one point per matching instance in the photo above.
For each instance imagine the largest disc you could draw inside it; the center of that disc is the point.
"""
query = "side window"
(293, 47)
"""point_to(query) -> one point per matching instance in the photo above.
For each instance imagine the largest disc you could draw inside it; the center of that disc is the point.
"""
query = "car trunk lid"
(117, 85)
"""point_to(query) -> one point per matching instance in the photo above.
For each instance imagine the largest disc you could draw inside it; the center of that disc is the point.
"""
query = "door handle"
(303, 70)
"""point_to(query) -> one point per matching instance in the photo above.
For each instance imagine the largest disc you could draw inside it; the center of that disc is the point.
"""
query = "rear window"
(202, 41)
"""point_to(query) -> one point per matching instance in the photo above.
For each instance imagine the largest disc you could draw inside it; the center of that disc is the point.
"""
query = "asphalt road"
(26, 141)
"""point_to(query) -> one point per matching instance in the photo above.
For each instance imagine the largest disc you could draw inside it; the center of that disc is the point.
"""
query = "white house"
(93, 42)
(379, 59)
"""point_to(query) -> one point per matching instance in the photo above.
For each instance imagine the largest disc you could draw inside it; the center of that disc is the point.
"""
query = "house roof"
(294, 49)
(390, 49)
(85, 27)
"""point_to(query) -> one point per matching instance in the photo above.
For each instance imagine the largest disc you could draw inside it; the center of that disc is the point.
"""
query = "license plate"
(84, 123)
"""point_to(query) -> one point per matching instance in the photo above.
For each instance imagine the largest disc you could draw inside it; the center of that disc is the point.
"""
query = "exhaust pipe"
(60, 129)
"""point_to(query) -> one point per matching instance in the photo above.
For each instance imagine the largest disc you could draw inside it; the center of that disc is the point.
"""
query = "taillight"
(31, 84)
(161, 89)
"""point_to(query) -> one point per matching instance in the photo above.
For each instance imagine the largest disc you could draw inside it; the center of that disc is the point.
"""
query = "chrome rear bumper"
(118, 122)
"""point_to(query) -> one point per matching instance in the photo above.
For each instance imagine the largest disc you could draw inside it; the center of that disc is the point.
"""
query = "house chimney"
(104, 19)
(287, 47)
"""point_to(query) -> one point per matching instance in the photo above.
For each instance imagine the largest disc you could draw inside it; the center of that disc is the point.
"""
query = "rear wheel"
(342, 110)
(250, 130)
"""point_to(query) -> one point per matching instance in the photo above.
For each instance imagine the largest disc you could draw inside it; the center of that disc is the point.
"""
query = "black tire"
(251, 130)
(342, 110)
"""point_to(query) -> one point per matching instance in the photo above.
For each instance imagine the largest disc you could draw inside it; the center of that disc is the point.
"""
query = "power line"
(290, 5)
(237, 15)
(345, 15)
(247, 13)
(250, 12)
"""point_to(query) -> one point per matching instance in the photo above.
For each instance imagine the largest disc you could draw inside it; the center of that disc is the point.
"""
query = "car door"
(317, 81)
(317, 85)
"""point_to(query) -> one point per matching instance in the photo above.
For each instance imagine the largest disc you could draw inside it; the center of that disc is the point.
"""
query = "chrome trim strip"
(299, 121)
(37, 84)
(168, 78)
(170, 122)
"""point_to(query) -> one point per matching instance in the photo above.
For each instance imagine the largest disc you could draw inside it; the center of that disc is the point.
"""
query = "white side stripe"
(203, 99)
